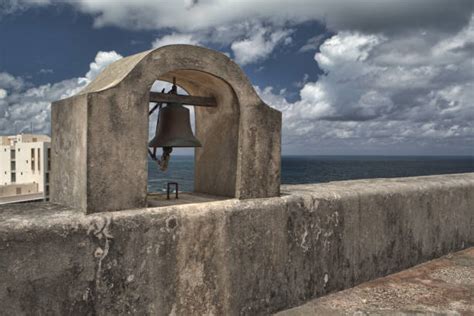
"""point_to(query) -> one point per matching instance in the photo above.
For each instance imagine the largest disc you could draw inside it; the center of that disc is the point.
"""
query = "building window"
(47, 177)
(39, 159)
(13, 177)
(18, 149)
(12, 166)
(12, 154)
(33, 159)
(18, 191)
(49, 159)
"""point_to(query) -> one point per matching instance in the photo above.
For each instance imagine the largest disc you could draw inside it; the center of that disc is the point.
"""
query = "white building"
(24, 167)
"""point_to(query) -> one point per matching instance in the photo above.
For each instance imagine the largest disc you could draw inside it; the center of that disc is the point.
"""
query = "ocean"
(317, 169)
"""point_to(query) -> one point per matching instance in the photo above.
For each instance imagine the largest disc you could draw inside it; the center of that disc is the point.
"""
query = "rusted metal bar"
(184, 99)
(168, 189)
(154, 108)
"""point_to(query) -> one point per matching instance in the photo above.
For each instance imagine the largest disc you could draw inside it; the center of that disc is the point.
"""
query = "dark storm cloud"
(403, 16)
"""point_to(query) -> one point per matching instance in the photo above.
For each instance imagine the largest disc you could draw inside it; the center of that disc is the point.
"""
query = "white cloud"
(259, 45)
(8, 81)
(102, 59)
(312, 44)
(368, 100)
(13, 6)
(175, 38)
(22, 105)
(249, 40)
(46, 71)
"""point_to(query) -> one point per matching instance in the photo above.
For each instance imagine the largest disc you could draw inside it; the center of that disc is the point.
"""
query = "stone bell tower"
(99, 136)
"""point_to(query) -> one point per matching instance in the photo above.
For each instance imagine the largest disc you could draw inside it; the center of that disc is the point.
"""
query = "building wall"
(30, 161)
(5, 169)
(231, 257)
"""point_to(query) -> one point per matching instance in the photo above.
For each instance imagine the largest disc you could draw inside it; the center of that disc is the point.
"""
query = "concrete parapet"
(228, 257)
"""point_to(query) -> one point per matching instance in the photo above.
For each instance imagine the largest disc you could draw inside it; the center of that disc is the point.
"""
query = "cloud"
(175, 38)
(22, 104)
(259, 45)
(370, 16)
(9, 82)
(232, 22)
(102, 59)
(313, 43)
(249, 41)
(13, 6)
(397, 74)
(377, 94)
(46, 71)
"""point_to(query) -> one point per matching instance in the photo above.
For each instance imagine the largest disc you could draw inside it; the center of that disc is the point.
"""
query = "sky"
(354, 77)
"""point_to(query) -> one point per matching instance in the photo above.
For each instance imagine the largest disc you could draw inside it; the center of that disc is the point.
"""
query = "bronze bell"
(173, 128)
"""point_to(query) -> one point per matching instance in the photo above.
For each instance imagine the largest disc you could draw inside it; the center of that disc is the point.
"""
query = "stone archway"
(99, 141)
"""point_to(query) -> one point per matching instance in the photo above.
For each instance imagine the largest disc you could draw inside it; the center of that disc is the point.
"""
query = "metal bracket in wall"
(168, 189)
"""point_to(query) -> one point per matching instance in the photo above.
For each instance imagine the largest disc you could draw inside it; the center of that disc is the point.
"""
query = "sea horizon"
(351, 155)
(305, 169)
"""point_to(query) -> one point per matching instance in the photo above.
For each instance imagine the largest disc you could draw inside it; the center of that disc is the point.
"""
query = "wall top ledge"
(339, 189)
(48, 217)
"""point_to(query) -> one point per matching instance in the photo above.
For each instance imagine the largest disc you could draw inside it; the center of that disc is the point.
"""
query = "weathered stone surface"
(443, 286)
(69, 147)
(240, 156)
(229, 257)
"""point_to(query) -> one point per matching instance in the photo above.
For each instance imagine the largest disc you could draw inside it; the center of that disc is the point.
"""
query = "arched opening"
(203, 173)
(181, 164)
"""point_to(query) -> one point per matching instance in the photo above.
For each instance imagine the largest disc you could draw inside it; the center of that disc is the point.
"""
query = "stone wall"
(228, 257)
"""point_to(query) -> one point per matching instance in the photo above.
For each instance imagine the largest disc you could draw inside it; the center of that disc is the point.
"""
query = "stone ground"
(444, 286)
(159, 199)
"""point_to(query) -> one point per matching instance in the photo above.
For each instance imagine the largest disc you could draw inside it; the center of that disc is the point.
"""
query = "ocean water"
(317, 169)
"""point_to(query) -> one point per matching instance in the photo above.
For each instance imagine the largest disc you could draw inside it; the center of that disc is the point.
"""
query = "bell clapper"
(165, 157)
